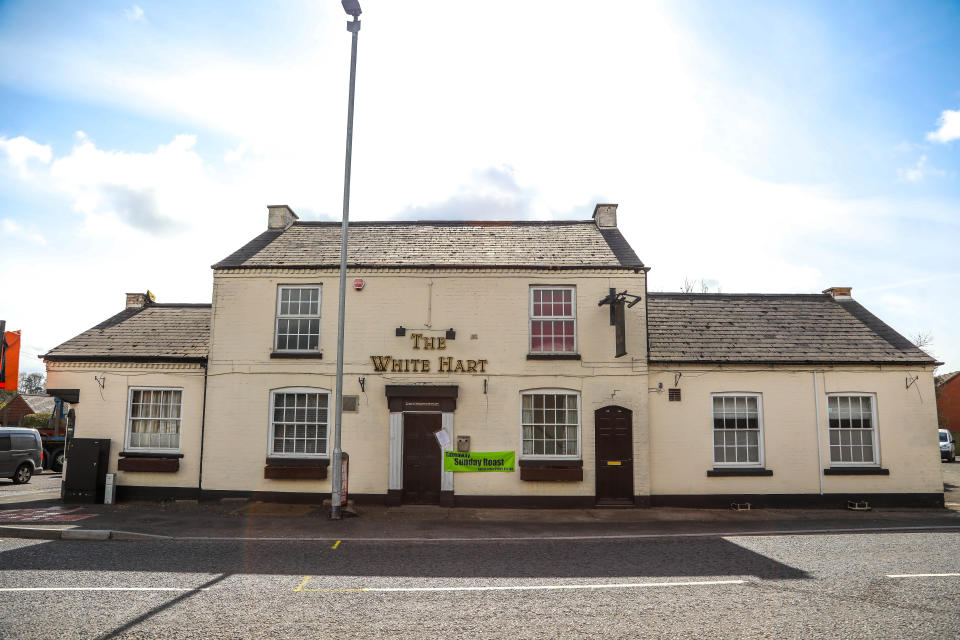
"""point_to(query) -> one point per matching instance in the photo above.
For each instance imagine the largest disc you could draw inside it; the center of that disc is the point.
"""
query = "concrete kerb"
(36, 533)
(110, 534)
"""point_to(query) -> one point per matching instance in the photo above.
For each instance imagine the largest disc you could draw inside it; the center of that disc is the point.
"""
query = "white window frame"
(875, 429)
(532, 318)
(270, 422)
(279, 317)
(129, 426)
(552, 456)
(761, 458)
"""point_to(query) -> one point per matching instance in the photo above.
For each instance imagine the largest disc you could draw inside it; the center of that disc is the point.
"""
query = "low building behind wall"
(508, 343)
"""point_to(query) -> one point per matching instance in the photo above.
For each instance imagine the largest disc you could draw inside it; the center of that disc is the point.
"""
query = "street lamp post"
(352, 7)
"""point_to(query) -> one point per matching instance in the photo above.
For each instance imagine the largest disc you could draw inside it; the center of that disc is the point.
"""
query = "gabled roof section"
(439, 244)
(38, 403)
(154, 333)
(772, 328)
(939, 381)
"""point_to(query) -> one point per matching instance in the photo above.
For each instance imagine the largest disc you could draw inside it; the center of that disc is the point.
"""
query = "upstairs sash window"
(298, 319)
(553, 320)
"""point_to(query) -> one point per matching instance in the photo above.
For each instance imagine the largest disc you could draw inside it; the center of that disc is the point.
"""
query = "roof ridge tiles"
(446, 223)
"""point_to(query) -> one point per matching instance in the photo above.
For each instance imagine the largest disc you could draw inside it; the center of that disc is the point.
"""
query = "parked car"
(21, 454)
(948, 449)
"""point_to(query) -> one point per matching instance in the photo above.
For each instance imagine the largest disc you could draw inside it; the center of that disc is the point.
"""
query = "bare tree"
(922, 339)
(32, 383)
(697, 286)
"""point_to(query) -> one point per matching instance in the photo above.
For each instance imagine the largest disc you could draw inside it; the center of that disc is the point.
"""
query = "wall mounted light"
(401, 331)
(451, 334)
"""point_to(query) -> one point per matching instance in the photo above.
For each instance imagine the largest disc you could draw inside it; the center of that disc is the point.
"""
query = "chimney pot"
(280, 216)
(840, 293)
(605, 216)
(140, 300)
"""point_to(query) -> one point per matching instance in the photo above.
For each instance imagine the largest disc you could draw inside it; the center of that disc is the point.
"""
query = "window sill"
(280, 468)
(553, 356)
(151, 463)
(721, 472)
(150, 454)
(535, 470)
(856, 471)
(297, 355)
(544, 463)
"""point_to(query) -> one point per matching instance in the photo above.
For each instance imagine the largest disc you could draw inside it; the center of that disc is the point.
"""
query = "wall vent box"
(351, 403)
(463, 443)
(673, 395)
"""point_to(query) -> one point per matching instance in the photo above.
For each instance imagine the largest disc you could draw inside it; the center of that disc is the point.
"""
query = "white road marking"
(103, 589)
(625, 536)
(536, 587)
(923, 575)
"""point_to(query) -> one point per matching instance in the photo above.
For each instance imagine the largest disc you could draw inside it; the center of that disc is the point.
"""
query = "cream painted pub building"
(536, 339)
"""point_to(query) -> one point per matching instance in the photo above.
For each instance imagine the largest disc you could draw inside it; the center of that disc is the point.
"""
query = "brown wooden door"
(422, 458)
(614, 432)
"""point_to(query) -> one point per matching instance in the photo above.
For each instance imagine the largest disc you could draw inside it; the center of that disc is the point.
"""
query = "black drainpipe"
(203, 424)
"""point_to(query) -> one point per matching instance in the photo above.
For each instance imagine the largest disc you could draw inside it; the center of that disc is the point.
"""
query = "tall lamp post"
(352, 7)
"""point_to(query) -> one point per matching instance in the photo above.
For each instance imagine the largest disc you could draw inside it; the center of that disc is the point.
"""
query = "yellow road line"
(335, 544)
(306, 579)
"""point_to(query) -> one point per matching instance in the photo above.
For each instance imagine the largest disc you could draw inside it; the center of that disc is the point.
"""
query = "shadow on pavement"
(699, 557)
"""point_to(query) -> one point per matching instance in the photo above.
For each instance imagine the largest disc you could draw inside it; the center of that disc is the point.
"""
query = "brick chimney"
(279, 217)
(140, 300)
(605, 215)
(840, 293)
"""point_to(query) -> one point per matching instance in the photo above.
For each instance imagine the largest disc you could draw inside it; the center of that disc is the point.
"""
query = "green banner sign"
(479, 461)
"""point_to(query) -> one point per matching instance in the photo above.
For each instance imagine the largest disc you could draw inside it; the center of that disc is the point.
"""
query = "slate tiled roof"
(563, 244)
(39, 403)
(771, 328)
(159, 332)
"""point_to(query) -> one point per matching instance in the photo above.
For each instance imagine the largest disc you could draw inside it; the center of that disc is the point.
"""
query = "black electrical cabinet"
(86, 476)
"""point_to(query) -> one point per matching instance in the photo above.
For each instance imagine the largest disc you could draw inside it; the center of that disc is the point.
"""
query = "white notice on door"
(442, 438)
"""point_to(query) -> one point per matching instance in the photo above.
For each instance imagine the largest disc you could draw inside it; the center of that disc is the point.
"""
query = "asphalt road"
(45, 485)
(791, 586)
(951, 483)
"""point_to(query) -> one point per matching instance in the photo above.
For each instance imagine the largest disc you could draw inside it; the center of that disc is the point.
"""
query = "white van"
(948, 450)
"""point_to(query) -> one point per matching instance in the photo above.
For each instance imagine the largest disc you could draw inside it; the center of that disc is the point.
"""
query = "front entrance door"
(614, 430)
(422, 458)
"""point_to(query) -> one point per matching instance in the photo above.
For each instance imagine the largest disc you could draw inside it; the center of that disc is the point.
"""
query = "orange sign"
(10, 362)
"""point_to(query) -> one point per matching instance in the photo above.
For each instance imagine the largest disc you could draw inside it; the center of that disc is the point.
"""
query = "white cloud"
(904, 305)
(918, 172)
(20, 151)
(134, 14)
(12, 229)
(949, 127)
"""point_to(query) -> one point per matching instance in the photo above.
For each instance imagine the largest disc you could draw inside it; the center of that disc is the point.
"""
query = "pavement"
(38, 513)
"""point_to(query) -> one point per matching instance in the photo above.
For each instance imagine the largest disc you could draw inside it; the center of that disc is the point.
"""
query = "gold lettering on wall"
(445, 364)
(428, 343)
